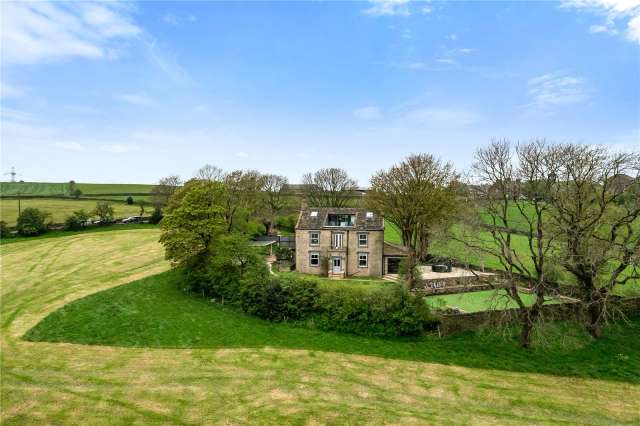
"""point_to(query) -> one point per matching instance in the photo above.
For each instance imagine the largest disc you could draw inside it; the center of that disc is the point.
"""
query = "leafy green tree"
(77, 220)
(193, 219)
(32, 222)
(104, 211)
(4, 229)
(129, 200)
(156, 216)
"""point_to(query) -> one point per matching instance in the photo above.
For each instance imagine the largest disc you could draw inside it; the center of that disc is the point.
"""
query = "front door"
(337, 265)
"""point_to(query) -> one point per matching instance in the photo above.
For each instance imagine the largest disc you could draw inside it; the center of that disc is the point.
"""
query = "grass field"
(59, 209)
(229, 368)
(481, 300)
(457, 250)
(63, 188)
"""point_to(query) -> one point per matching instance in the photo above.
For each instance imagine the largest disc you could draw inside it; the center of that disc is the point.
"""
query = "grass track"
(79, 384)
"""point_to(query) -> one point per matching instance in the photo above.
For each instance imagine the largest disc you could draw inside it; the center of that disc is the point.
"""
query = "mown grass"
(477, 301)
(154, 312)
(364, 283)
(59, 208)
(63, 188)
(87, 230)
(267, 381)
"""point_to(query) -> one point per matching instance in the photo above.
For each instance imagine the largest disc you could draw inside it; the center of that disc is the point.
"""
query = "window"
(314, 259)
(363, 260)
(363, 239)
(369, 215)
(337, 240)
(314, 238)
(341, 220)
(314, 214)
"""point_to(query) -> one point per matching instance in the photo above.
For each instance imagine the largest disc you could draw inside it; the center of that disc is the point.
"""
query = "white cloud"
(242, 154)
(556, 89)
(135, 99)
(170, 19)
(388, 8)
(452, 37)
(614, 12)
(443, 116)
(426, 10)
(70, 146)
(119, 148)
(370, 112)
(445, 61)
(34, 32)
(463, 51)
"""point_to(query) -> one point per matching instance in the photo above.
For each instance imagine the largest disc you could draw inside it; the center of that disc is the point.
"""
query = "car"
(132, 219)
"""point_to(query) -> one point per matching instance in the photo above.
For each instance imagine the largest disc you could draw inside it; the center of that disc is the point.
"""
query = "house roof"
(307, 220)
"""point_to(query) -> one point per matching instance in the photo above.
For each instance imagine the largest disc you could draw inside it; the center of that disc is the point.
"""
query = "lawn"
(60, 208)
(363, 282)
(476, 301)
(63, 188)
(177, 359)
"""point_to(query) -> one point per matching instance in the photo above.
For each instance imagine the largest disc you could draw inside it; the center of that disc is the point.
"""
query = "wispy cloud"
(242, 154)
(557, 89)
(388, 8)
(135, 99)
(119, 148)
(447, 116)
(625, 13)
(34, 32)
(370, 112)
(11, 91)
(445, 61)
(70, 146)
(175, 20)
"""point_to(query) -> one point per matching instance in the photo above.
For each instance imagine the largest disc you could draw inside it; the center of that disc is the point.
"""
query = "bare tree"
(595, 202)
(510, 202)
(209, 172)
(274, 196)
(417, 196)
(328, 188)
(166, 186)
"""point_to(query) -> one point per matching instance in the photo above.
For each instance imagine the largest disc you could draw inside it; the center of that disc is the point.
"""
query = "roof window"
(369, 215)
(314, 214)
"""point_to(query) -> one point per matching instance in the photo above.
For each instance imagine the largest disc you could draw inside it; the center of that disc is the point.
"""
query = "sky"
(130, 92)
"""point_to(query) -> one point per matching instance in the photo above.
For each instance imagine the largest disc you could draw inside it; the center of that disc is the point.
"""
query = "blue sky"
(130, 92)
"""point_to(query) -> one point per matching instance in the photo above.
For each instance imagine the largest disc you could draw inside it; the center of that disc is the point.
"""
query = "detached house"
(342, 242)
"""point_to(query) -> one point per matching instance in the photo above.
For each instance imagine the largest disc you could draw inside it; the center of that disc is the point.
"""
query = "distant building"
(340, 242)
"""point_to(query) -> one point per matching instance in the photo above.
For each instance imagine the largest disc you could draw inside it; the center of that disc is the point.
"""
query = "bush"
(280, 299)
(32, 222)
(389, 313)
(4, 230)
(130, 200)
(287, 223)
(104, 211)
(72, 223)
(156, 216)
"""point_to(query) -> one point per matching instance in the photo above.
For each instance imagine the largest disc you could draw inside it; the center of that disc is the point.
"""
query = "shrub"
(280, 299)
(32, 222)
(72, 223)
(76, 193)
(130, 200)
(287, 223)
(389, 312)
(156, 216)
(4, 229)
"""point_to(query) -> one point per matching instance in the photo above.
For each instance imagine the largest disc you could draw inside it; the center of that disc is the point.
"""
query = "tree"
(328, 188)
(597, 216)
(418, 196)
(141, 205)
(4, 229)
(129, 200)
(77, 220)
(104, 211)
(193, 220)
(274, 190)
(32, 221)
(209, 172)
(243, 197)
(166, 186)
(73, 190)
(156, 216)
(510, 201)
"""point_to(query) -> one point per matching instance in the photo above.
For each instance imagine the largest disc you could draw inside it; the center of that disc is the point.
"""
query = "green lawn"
(60, 208)
(477, 301)
(183, 360)
(63, 188)
(363, 283)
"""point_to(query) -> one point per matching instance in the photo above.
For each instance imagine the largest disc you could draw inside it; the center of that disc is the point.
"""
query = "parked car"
(132, 219)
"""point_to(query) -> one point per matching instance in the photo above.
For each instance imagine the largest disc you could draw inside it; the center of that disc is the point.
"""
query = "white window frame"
(311, 254)
(366, 259)
(337, 237)
(311, 243)
(366, 239)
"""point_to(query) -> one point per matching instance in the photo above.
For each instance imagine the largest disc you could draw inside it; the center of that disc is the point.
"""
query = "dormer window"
(341, 220)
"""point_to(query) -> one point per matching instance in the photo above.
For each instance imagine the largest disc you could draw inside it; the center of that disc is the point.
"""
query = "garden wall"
(453, 323)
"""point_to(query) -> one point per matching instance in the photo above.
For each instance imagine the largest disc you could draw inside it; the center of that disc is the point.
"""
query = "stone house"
(341, 242)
